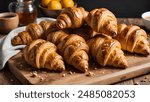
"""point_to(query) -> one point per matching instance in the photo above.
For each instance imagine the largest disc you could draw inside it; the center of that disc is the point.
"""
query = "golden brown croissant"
(35, 30)
(71, 17)
(133, 39)
(102, 21)
(42, 54)
(72, 47)
(107, 51)
(32, 32)
(23, 38)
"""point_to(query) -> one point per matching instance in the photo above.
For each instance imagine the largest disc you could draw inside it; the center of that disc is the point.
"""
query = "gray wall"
(121, 8)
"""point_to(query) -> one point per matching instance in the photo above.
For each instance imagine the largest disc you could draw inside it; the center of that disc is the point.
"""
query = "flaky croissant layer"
(107, 51)
(102, 21)
(71, 17)
(133, 39)
(42, 54)
(72, 47)
(75, 51)
(32, 32)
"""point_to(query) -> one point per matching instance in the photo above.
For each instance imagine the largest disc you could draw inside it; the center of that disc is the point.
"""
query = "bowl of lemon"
(53, 8)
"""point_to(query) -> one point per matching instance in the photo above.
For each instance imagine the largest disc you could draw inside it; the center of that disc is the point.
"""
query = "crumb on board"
(102, 72)
(143, 80)
(70, 72)
(11, 80)
(34, 74)
(41, 78)
(63, 75)
(90, 74)
(136, 83)
(95, 68)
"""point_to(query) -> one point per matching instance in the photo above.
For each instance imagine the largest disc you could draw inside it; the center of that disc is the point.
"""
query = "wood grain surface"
(138, 65)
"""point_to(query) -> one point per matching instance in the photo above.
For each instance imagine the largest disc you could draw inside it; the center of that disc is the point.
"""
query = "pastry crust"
(42, 54)
(72, 47)
(75, 51)
(107, 51)
(32, 32)
(35, 30)
(133, 39)
(71, 17)
(102, 21)
(23, 38)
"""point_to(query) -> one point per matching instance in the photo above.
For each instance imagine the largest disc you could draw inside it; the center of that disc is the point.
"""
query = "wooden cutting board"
(138, 65)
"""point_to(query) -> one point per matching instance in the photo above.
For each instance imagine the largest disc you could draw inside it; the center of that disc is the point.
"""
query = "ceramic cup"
(8, 22)
(146, 19)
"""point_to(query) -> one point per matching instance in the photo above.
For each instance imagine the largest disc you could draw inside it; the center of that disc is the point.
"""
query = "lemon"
(54, 5)
(67, 3)
(45, 3)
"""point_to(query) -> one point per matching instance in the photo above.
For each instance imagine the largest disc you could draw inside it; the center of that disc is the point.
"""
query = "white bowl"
(145, 19)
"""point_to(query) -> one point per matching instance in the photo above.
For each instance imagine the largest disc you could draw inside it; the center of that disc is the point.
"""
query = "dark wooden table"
(7, 78)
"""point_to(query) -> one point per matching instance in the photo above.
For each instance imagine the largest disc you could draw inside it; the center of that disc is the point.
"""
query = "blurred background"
(121, 8)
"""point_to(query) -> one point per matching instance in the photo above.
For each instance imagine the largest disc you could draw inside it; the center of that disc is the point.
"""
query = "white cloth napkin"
(6, 48)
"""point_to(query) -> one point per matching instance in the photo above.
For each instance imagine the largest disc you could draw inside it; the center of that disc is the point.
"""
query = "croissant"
(133, 39)
(32, 32)
(71, 17)
(72, 47)
(35, 30)
(57, 36)
(23, 38)
(42, 54)
(102, 21)
(107, 51)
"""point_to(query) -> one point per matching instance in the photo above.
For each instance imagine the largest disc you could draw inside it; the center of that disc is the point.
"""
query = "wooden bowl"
(51, 13)
(8, 22)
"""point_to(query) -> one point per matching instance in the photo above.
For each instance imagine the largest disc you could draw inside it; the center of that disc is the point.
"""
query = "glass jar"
(25, 9)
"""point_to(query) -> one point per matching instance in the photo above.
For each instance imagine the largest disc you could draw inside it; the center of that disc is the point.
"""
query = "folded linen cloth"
(7, 50)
